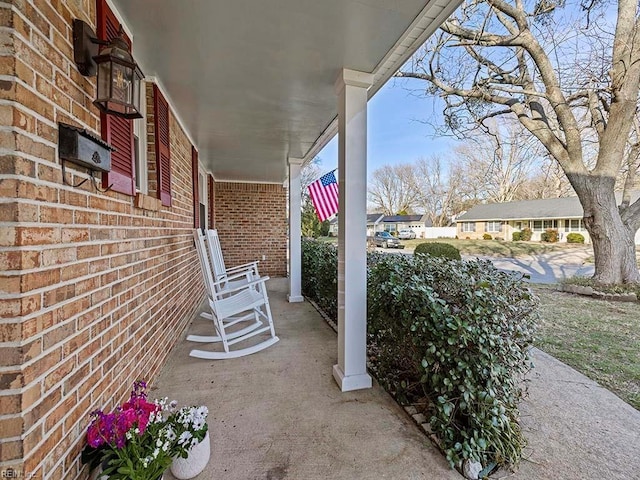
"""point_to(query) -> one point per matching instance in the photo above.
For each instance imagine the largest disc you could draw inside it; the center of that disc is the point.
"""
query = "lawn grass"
(600, 339)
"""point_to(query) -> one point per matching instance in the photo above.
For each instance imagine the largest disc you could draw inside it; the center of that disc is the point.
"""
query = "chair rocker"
(231, 306)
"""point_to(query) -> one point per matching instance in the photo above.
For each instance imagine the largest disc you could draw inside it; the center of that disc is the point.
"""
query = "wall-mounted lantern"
(119, 76)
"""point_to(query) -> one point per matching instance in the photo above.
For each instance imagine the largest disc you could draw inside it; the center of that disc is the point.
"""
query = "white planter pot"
(184, 468)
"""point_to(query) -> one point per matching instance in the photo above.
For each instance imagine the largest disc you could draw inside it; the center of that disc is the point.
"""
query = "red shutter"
(163, 151)
(196, 196)
(115, 130)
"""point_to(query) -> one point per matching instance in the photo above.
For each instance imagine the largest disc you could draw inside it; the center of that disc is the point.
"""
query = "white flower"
(169, 433)
(184, 438)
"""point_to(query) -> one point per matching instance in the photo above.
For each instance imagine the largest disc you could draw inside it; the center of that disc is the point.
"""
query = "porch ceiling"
(253, 81)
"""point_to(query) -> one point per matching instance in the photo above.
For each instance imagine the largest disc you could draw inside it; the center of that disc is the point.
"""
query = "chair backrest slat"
(204, 262)
(215, 251)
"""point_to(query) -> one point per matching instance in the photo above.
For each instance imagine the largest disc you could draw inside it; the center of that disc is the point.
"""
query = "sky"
(395, 131)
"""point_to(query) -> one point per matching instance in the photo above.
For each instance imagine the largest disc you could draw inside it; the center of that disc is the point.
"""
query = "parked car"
(406, 234)
(385, 240)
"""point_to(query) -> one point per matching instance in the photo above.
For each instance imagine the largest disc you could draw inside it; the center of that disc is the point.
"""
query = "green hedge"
(438, 249)
(575, 238)
(487, 236)
(516, 236)
(320, 274)
(454, 332)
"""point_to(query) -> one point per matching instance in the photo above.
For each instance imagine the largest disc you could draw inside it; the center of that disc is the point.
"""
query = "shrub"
(516, 236)
(457, 333)
(486, 236)
(320, 274)
(526, 234)
(575, 238)
(438, 249)
(550, 235)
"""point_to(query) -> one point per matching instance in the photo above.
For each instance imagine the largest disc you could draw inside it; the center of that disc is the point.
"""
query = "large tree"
(569, 72)
(392, 189)
(439, 183)
(497, 164)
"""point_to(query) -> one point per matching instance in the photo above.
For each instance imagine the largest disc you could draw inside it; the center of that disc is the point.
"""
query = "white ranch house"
(501, 220)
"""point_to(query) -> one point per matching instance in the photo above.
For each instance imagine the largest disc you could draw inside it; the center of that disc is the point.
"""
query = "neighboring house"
(97, 285)
(373, 219)
(395, 223)
(501, 220)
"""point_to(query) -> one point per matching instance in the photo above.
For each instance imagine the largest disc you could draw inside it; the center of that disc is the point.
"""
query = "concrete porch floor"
(279, 414)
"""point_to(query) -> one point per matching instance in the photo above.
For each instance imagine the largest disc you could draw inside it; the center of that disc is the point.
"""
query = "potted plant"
(134, 442)
(192, 446)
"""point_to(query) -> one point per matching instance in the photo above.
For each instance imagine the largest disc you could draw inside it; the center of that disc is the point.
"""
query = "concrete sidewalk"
(279, 414)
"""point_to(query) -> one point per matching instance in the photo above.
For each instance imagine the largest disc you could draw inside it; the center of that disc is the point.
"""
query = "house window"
(550, 224)
(518, 225)
(537, 225)
(195, 169)
(140, 147)
(494, 227)
(573, 225)
(203, 199)
(468, 226)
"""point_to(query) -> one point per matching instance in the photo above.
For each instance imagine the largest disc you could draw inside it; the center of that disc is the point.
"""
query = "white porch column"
(351, 370)
(295, 231)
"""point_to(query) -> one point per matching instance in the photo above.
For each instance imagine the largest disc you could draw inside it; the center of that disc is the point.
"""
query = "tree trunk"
(613, 241)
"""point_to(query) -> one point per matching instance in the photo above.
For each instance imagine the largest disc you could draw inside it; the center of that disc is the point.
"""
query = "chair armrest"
(246, 266)
(246, 273)
(245, 286)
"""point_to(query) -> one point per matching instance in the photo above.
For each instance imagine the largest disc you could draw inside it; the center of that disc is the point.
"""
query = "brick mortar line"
(32, 136)
(58, 305)
(54, 69)
(49, 288)
(185, 288)
(42, 249)
(24, 108)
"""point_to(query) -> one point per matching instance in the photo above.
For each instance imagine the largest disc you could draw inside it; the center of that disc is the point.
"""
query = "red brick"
(11, 426)
(39, 279)
(41, 365)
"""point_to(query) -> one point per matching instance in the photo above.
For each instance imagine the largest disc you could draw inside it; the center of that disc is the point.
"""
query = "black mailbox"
(83, 148)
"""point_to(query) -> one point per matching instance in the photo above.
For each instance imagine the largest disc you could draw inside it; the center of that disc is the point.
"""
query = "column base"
(295, 298)
(351, 382)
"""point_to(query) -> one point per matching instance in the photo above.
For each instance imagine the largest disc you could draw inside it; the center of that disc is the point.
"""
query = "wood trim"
(196, 195)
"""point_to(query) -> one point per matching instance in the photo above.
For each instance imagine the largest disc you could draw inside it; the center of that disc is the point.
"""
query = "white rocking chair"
(240, 303)
(228, 277)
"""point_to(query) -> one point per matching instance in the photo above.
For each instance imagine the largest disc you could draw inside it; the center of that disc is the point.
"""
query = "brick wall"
(251, 221)
(94, 291)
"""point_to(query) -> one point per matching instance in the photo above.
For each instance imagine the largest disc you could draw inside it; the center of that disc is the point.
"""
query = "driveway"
(541, 268)
(544, 268)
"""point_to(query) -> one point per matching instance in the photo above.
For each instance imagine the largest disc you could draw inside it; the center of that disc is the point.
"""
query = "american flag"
(324, 195)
